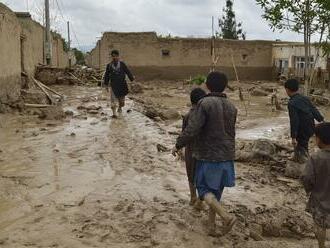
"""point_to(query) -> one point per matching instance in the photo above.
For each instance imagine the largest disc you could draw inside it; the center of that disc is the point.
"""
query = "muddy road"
(93, 181)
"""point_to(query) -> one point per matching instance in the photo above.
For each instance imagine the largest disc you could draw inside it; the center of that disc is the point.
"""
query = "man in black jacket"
(115, 82)
(302, 114)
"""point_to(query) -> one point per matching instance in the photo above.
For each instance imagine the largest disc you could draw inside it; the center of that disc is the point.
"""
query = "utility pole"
(69, 39)
(69, 45)
(48, 40)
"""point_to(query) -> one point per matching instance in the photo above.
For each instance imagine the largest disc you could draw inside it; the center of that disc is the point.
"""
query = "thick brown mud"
(93, 181)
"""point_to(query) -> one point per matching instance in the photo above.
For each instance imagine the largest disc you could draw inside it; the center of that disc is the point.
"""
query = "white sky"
(90, 18)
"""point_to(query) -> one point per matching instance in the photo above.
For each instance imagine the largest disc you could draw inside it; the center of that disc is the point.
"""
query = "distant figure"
(316, 180)
(115, 82)
(195, 95)
(302, 114)
(212, 125)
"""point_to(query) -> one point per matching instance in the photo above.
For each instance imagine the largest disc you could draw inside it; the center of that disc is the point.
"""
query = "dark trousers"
(301, 150)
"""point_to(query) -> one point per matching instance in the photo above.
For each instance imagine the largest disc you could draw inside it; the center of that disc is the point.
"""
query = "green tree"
(229, 28)
(80, 56)
(307, 17)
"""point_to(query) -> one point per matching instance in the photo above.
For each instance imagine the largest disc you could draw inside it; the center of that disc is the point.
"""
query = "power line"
(75, 36)
(59, 3)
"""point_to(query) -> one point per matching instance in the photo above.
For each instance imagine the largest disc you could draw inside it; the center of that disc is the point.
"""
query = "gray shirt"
(212, 126)
(316, 179)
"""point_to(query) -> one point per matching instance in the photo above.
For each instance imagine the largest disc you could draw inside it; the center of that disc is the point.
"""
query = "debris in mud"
(34, 96)
(52, 113)
(158, 115)
(170, 114)
(50, 75)
(320, 100)
(69, 112)
(162, 148)
(78, 75)
(258, 92)
(89, 108)
(294, 170)
(262, 150)
(151, 112)
(136, 88)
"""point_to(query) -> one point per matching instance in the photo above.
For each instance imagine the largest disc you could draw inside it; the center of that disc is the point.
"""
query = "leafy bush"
(199, 80)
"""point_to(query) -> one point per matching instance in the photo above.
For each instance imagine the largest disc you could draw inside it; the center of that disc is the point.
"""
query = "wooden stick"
(232, 60)
(76, 78)
(97, 80)
(49, 89)
(43, 90)
(32, 105)
(241, 97)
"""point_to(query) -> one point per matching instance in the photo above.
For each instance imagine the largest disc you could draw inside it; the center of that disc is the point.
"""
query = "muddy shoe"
(114, 117)
(228, 225)
(192, 201)
(120, 110)
(198, 205)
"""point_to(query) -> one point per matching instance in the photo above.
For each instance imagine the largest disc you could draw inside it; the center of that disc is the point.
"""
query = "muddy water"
(93, 181)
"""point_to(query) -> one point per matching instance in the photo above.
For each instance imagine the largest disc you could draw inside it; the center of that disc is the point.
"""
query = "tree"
(229, 28)
(307, 17)
(80, 57)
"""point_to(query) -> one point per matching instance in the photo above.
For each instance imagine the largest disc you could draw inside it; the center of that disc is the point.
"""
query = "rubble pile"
(87, 76)
(78, 75)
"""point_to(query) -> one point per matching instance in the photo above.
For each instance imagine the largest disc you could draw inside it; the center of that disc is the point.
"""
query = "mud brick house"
(289, 59)
(151, 56)
(22, 49)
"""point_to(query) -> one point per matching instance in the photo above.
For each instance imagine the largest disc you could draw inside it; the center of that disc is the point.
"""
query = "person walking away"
(115, 82)
(212, 125)
(302, 114)
(195, 95)
(316, 180)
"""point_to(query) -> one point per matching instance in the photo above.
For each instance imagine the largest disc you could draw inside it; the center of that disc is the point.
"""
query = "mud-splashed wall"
(174, 58)
(10, 65)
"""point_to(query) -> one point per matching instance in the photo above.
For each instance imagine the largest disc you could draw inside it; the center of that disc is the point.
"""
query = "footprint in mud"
(169, 187)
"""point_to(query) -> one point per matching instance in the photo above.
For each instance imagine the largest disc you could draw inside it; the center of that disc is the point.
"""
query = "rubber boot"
(321, 235)
(193, 195)
(228, 221)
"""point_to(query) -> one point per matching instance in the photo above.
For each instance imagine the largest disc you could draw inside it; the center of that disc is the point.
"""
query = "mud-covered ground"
(93, 181)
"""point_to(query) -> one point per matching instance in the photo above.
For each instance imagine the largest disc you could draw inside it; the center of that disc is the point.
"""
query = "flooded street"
(94, 181)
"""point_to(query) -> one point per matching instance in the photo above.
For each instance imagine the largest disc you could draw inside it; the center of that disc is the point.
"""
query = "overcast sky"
(90, 18)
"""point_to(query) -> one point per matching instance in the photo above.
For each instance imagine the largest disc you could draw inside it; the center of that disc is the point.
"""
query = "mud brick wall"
(22, 49)
(60, 58)
(33, 44)
(174, 58)
(10, 63)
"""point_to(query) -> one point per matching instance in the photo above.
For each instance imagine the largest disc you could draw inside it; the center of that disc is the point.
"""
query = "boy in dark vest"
(115, 82)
